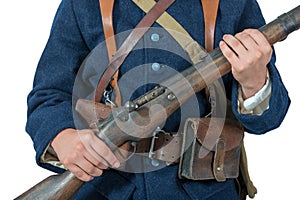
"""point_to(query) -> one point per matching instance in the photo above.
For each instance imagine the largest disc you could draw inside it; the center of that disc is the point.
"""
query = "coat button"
(155, 67)
(155, 37)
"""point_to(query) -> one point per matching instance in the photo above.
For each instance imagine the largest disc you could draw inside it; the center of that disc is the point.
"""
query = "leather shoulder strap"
(106, 8)
(129, 44)
(210, 10)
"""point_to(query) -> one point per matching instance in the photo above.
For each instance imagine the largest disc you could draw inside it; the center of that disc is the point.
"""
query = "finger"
(104, 151)
(97, 151)
(87, 137)
(258, 37)
(260, 40)
(78, 157)
(235, 44)
(247, 41)
(79, 173)
(96, 160)
(88, 167)
(228, 53)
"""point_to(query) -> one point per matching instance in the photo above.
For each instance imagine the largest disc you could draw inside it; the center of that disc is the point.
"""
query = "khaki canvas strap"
(210, 9)
(191, 47)
(129, 44)
(251, 189)
(183, 38)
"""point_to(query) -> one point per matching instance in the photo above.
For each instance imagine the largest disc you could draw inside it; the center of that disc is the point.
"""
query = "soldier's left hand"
(248, 52)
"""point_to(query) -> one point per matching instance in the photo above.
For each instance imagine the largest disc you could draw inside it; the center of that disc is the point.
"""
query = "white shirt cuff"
(258, 103)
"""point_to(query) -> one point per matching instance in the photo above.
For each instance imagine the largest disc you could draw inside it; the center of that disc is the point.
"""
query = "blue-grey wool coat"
(77, 30)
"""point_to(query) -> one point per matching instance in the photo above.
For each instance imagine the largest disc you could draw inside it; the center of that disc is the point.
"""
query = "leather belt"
(161, 146)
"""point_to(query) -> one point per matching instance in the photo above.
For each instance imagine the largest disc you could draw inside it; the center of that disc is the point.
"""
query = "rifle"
(65, 185)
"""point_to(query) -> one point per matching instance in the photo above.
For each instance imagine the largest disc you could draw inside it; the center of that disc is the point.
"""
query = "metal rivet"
(155, 163)
(155, 67)
(155, 37)
(219, 169)
(130, 106)
(171, 96)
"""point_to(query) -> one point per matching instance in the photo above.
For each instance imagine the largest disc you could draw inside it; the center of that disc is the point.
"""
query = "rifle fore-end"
(65, 185)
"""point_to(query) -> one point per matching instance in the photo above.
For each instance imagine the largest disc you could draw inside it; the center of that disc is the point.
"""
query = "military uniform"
(77, 30)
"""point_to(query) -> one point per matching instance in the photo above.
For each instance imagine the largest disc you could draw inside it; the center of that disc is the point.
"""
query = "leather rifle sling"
(106, 8)
(128, 45)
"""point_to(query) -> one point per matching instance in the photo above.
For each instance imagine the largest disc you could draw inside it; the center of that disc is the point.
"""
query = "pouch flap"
(210, 130)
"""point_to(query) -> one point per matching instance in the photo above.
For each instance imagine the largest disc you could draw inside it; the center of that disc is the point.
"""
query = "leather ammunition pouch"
(211, 149)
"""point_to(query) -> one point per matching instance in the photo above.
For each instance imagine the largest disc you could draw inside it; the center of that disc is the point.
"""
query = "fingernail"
(225, 36)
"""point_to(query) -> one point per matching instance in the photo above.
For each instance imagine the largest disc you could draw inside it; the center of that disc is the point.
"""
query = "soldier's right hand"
(83, 153)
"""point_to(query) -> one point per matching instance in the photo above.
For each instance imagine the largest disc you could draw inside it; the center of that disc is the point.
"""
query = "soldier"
(254, 87)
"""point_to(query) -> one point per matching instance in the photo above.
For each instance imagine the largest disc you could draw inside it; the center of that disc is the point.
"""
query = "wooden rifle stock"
(64, 186)
(61, 186)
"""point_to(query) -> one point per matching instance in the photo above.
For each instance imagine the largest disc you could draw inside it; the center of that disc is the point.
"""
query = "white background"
(273, 157)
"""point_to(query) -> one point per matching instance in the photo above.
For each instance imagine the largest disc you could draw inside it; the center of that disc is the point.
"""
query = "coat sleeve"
(279, 101)
(50, 101)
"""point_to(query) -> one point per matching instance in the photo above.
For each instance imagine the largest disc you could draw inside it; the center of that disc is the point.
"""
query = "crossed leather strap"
(155, 12)
(106, 8)
(130, 42)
